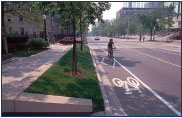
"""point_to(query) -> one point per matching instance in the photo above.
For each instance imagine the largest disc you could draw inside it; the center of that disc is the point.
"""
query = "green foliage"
(132, 28)
(29, 10)
(159, 19)
(110, 28)
(37, 43)
(56, 81)
(26, 53)
(90, 10)
(70, 13)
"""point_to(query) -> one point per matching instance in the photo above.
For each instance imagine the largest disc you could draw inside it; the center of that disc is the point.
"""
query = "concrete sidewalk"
(19, 73)
(159, 43)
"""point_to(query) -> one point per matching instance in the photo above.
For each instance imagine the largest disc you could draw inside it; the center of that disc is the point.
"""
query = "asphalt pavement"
(146, 79)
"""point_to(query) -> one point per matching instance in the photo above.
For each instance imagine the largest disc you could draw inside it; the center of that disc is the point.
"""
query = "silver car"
(97, 38)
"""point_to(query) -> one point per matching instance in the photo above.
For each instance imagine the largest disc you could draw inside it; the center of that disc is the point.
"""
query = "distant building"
(153, 4)
(143, 4)
(130, 13)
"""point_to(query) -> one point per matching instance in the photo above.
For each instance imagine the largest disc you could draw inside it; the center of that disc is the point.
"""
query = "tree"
(5, 47)
(28, 10)
(120, 27)
(132, 28)
(157, 19)
(71, 12)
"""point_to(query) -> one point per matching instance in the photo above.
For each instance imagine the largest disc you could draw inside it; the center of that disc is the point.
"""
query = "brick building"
(18, 26)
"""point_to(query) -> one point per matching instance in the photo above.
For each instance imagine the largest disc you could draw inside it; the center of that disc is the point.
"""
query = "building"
(130, 13)
(131, 9)
(142, 4)
(153, 4)
(17, 26)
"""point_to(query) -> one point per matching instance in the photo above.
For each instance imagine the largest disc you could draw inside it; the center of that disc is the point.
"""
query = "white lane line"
(103, 60)
(153, 92)
(108, 109)
(111, 99)
(113, 64)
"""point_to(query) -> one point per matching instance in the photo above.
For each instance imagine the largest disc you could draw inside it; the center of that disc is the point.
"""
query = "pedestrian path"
(19, 73)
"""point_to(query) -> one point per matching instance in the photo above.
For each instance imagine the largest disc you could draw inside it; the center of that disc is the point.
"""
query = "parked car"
(68, 40)
(97, 38)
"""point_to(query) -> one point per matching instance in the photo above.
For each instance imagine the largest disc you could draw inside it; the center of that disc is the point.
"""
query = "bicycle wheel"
(133, 82)
(117, 82)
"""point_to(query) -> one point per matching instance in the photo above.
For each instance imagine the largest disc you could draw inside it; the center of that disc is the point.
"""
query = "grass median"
(57, 81)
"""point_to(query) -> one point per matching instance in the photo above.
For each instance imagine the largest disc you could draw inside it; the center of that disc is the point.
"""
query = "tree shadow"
(145, 103)
(18, 67)
(121, 60)
(126, 63)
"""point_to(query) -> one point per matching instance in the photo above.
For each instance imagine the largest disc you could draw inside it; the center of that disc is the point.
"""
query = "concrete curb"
(108, 111)
(9, 95)
(29, 102)
(115, 106)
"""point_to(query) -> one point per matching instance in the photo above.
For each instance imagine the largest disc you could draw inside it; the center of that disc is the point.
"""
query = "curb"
(107, 109)
(9, 97)
(31, 102)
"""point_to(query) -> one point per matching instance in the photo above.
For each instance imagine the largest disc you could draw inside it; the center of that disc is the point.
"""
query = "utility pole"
(127, 25)
(179, 4)
(45, 32)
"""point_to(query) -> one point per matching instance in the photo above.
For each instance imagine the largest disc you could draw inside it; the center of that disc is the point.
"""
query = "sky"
(111, 13)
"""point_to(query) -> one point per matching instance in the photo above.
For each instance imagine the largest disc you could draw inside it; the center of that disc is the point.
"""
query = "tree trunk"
(151, 35)
(81, 48)
(74, 71)
(74, 66)
(178, 9)
(5, 46)
(154, 36)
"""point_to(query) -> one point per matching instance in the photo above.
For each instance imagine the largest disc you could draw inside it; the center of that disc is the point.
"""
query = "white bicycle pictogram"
(132, 82)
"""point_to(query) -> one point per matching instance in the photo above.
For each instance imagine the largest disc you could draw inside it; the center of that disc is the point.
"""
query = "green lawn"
(26, 53)
(56, 81)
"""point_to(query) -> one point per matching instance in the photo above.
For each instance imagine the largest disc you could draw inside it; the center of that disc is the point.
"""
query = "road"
(147, 77)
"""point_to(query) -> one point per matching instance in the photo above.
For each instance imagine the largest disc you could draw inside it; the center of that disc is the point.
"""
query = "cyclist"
(110, 47)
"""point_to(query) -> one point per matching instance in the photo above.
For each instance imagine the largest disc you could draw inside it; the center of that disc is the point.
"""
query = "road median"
(57, 80)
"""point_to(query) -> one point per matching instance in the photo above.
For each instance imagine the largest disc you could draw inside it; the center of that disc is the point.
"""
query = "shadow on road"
(126, 63)
(145, 103)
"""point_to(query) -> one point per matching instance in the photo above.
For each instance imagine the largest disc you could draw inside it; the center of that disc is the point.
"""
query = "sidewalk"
(18, 73)
(160, 43)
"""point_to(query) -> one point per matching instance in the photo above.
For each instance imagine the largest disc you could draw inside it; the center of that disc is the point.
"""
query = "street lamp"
(45, 32)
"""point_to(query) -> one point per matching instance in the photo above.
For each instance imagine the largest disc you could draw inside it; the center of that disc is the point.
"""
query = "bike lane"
(134, 97)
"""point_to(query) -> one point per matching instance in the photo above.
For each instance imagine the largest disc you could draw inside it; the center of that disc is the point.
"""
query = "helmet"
(111, 40)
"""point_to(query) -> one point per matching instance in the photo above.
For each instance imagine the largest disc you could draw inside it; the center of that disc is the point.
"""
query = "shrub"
(37, 43)
(16, 43)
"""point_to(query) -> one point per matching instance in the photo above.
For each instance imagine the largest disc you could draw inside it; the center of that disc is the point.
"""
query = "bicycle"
(130, 81)
(110, 55)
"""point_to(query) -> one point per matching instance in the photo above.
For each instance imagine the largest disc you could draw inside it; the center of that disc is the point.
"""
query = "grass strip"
(56, 81)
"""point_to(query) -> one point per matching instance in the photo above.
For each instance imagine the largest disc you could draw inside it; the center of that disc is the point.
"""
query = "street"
(143, 80)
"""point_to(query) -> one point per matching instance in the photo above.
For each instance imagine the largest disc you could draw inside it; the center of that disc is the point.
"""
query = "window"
(22, 31)
(26, 33)
(9, 18)
(20, 18)
(34, 34)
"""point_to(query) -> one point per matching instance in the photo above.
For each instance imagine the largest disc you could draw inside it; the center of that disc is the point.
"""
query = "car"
(97, 38)
(69, 40)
